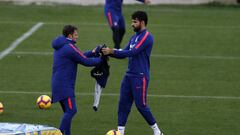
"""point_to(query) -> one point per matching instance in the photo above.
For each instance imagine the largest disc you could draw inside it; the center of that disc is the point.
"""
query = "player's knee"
(116, 29)
(124, 107)
(123, 110)
(122, 31)
(142, 108)
(72, 112)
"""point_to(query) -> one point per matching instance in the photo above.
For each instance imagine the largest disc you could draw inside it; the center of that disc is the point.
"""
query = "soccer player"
(65, 61)
(135, 82)
(113, 13)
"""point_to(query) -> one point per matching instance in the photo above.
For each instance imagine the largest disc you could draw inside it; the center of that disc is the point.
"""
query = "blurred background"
(96, 2)
(195, 64)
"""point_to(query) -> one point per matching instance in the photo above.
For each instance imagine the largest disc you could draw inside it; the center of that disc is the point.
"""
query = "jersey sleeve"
(120, 56)
(89, 54)
(79, 57)
(140, 45)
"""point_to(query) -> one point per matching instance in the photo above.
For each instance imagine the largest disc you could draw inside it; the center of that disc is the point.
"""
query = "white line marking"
(32, 53)
(153, 55)
(115, 94)
(150, 25)
(196, 57)
(19, 40)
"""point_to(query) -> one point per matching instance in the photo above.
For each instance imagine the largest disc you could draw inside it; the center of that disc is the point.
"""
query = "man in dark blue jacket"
(135, 82)
(66, 58)
(113, 13)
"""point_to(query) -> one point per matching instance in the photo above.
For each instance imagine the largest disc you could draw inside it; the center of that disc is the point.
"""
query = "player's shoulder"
(148, 32)
(147, 35)
(70, 48)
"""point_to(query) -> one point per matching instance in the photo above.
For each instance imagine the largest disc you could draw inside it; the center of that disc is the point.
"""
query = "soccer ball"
(113, 132)
(44, 102)
(1, 107)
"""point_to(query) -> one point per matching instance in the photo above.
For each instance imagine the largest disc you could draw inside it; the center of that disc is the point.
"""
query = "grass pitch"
(194, 86)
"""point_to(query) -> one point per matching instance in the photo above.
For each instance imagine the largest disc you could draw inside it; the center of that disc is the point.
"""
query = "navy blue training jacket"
(138, 51)
(65, 60)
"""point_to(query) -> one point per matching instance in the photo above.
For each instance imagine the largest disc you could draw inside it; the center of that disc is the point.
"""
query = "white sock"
(156, 130)
(121, 129)
(97, 94)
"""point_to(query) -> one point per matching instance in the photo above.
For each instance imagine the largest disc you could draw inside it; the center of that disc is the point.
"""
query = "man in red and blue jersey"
(135, 82)
(65, 61)
(113, 13)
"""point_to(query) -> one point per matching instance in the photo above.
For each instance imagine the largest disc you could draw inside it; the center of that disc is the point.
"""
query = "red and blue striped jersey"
(138, 51)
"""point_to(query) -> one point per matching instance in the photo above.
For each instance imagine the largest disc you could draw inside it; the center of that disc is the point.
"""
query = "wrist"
(112, 51)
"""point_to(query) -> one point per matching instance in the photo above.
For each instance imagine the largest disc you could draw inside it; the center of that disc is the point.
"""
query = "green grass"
(194, 34)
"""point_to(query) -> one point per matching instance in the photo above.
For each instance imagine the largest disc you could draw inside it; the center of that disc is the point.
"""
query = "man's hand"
(94, 50)
(107, 51)
(147, 1)
(98, 49)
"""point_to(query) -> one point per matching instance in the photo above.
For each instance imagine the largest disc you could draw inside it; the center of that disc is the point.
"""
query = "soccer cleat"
(95, 108)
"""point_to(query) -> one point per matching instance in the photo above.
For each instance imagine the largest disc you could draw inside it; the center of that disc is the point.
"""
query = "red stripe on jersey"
(78, 51)
(144, 91)
(69, 103)
(143, 39)
(110, 18)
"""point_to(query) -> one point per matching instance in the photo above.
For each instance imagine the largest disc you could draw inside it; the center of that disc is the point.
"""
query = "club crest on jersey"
(132, 45)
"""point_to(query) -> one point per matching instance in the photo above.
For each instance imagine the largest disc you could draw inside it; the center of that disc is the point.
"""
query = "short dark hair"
(68, 29)
(141, 16)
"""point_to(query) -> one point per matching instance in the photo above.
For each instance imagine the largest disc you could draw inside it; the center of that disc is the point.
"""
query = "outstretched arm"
(79, 57)
(110, 51)
(140, 45)
(89, 53)
(94, 52)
